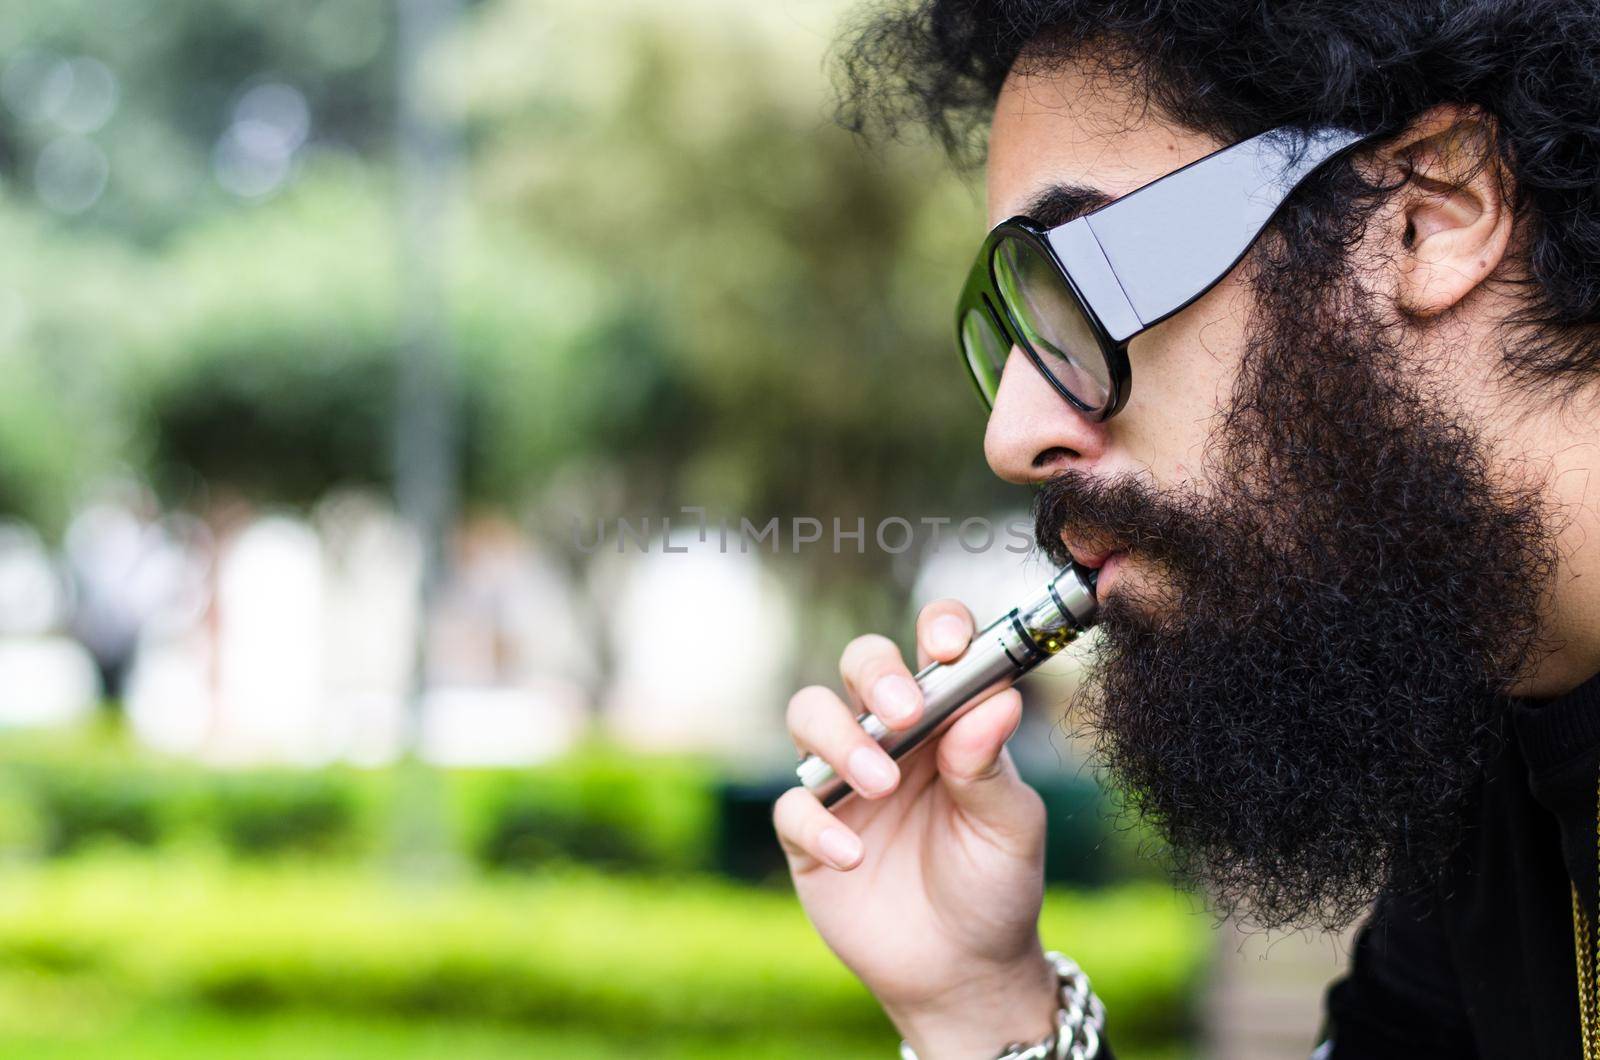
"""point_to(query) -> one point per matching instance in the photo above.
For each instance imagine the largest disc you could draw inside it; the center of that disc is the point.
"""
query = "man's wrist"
(975, 1021)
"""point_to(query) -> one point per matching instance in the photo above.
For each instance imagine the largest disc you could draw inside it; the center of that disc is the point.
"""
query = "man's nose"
(1033, 431)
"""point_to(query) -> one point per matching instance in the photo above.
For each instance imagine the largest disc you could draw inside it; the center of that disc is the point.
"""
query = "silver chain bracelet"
(1079, 1021)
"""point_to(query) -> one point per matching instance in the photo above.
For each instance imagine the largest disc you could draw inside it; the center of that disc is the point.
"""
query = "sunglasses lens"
(986, 348)
(1048, 315)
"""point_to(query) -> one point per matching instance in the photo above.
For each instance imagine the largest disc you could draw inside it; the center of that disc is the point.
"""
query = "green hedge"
(659, 814)
(178, 893)
(61, 795)
(598, 807)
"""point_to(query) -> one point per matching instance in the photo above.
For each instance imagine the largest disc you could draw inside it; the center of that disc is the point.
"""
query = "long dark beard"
(1305, 706)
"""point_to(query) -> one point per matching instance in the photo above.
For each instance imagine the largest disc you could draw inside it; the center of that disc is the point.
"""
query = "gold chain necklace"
(1587, 947)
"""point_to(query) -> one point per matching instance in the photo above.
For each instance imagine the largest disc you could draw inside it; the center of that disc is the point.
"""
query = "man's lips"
(1105, 562)
(1091, 559)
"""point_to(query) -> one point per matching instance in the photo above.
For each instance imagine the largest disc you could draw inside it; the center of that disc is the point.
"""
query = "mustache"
(1120, 514)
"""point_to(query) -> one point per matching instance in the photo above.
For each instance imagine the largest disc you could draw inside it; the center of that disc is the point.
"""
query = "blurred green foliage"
(254, 814)
(598, 808)
(49, 1022)
(180, 67)
(70, 792)
(272, 370)
(601, 807)
(670, 280)
(557, 950)
(273, 813)
(155, 902)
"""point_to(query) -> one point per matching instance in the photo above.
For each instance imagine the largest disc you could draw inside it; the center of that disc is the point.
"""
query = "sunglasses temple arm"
(1151, 253)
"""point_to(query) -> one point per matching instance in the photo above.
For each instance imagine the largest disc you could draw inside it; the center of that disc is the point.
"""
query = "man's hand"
(928, 883)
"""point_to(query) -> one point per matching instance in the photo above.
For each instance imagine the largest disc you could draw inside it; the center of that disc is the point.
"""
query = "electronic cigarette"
(1006, 649)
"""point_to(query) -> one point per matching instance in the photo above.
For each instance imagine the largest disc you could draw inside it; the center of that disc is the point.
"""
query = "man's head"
(1342, 501)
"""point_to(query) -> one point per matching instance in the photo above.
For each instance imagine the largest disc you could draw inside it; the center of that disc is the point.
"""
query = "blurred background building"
(340, 339)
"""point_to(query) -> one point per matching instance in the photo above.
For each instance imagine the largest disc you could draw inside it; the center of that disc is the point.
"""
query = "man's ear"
(1454, 215)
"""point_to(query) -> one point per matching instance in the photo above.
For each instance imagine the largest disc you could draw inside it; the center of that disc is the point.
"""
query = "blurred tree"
(789, 291)
(678, 282)
(145, 116)
(272, 371)
(68, 303)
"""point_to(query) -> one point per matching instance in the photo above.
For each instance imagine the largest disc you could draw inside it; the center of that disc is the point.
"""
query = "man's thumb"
(979, 774)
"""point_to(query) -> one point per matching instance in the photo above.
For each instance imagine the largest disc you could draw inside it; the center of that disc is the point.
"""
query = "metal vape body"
(1003, 651)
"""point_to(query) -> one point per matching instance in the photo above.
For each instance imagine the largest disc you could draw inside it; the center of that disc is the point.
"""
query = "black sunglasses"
(1070, 297)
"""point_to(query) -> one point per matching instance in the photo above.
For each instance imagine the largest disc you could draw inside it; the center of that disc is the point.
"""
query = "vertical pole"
(425, 447)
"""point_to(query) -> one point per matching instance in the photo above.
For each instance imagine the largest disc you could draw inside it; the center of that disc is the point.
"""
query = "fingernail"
(840, 848)
(870, 770)
(947, 635)
(895, 698)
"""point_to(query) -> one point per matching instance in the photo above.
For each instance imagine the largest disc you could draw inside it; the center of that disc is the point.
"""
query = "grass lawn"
(170, 956)
(185, 1033)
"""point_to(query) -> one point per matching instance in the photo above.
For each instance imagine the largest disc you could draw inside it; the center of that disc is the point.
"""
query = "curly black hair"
(1233, 68)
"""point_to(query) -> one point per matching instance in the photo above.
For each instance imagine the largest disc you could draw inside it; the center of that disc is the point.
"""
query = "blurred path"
(1265, 1001)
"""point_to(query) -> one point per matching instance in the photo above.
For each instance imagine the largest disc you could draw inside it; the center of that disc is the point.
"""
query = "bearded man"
(1295, 330)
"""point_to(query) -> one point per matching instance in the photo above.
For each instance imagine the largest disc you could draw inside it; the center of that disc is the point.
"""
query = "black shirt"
(1483, 967)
